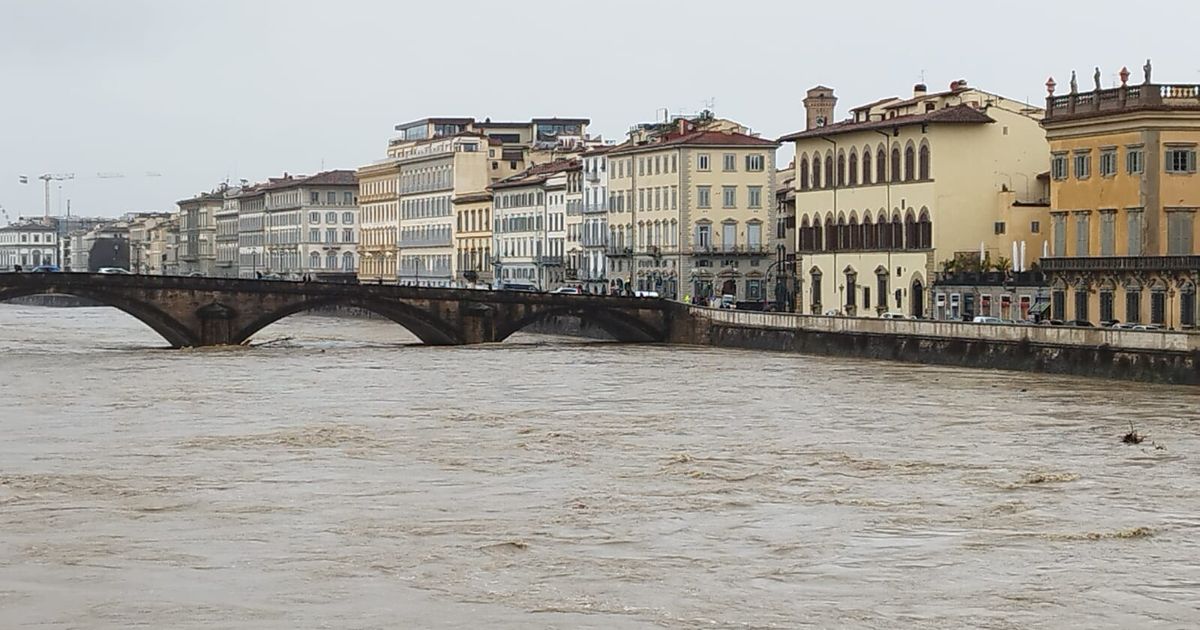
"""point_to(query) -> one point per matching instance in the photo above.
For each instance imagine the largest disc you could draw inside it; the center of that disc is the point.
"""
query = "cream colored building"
(884, 197)
(378, 186)
(530, 227)
(148, 242)
(1124, 197)
(690, 210)
(197, 231)
(311, 226)
(226, 234)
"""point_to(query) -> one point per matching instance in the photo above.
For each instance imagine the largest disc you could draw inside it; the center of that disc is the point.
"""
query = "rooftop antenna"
(922, 75)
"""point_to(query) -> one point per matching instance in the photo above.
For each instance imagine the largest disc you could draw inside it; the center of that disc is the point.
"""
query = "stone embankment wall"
(58, 301)
(1161, 357)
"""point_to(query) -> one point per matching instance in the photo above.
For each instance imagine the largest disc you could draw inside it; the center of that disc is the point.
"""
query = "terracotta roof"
(332, 178)
(473, 197)
(600, 150)
(957, 114)
(538, 173)
(875, 103)
(695, 138)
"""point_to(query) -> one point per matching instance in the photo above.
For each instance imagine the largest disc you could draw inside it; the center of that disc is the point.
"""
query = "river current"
(345, 477)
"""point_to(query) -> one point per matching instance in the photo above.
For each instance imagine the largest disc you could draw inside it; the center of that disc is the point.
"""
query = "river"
(345, 477)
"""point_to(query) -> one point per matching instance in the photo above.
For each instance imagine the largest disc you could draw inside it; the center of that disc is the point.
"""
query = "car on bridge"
(509, 285)
(114, 271)
(46, 269)
(567, 291)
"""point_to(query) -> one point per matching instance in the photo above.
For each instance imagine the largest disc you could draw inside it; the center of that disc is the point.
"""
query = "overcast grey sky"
(201, 91)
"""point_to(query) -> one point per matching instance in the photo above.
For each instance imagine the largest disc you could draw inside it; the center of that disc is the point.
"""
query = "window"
(755, 200)
(1083, 165)
(1158, 306)
(754, 290)
(754, 235)
(347, 235)
(347, 198)
(314, 260)
(998, 227)
(1058, 166)
(314, 235)
(331, 236)
(703, 196)
(1187, 306)
(314, 197)
(331, 217)
(1135, 160)
(331, 197)
(702, 162)
(1035, 227)
(755, 163)
(1108, 236)
(704, 236)
(1108, 163)
(896, 164)
(1058, 304)
(1133, 304)
(1060, 234)
(1181, 160)
(910, 164)
(1082, 234)
(729, 162)
(816, 291)
(1134, 232)
(314, 217)
(881, 286)
(728, 236)
(347, 217)
(853, 168)
(674, 197)
(1179, 232)
(729, 196)
(923, 162)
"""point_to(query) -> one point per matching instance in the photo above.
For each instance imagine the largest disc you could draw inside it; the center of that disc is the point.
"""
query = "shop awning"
(1039, 308)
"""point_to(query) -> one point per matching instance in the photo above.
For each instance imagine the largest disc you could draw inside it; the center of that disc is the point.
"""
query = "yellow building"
(473, 238)
(691, 208)
(379, 220)
(1124, 195)
(887, 197)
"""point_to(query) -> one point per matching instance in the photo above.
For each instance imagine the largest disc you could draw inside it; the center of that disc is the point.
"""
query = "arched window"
(804, 173)
(881, 166)
(331, 261)
(897, 231)
(923, 162)
(896, 176)
(829, 169)
(870, 240)
(843, 235)
(805, 234)
(1187, 304)
(885, 231)
(866, 165)
(314, 260)
(853, 167)
(910, 163)
(855, 240)
(816, 170)
(924, 231)
(831, 234)
(910, 231)
(841, 169)
(814, 276)
(818, 235)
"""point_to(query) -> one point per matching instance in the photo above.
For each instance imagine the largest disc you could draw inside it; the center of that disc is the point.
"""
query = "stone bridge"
(190, 311)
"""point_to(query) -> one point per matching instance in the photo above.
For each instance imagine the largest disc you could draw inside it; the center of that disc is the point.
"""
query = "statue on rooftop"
(1074, 83)
(1146, 69)
(1096, 78)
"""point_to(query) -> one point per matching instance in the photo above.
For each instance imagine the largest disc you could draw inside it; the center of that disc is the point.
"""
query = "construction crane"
(58, 177)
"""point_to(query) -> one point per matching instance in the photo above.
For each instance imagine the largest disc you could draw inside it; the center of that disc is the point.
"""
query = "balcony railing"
(743, 250)
(434, 241)
(1146, 96)
(990, 278)
(548, 260)
(595, 208)
(1121, 263)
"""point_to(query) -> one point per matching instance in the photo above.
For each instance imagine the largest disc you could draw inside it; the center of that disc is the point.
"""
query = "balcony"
(619, 250)
(588, 240)
(426, 241)
(732, 250)
(1126, 98)
(1121, 263)
(991, 279)
(595, 208)
(551, 261)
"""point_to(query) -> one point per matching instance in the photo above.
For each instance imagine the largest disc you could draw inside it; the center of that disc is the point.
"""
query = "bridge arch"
(622, 325)
(428, 329)
(169, 328)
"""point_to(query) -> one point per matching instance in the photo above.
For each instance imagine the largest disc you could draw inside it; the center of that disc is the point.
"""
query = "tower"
(818, 107)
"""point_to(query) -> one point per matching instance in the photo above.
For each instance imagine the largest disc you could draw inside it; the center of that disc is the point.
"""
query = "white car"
(567, 291)
(645, 294)
(984, 319)
(114, 271)
(893, 316)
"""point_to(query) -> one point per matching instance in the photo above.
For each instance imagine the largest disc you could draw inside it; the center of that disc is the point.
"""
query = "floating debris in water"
(1133, 437)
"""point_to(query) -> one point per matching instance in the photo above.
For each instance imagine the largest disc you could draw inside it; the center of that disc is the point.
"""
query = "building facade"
(311, 226)
(529, 233)
(225, 234)
(784, 267)
(1124, 196)
(691, 204)
(251, 236)
(887, 196)
(28, 243)
(473, 239)
(593, 238)
(378, 196)
(146, 247)
(197, 232)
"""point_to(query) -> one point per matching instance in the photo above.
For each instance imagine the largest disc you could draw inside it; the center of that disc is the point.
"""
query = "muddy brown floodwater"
(347, 478)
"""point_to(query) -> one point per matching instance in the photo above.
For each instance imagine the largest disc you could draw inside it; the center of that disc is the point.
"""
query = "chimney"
(960, 84)
(919, 90)
(819, 105)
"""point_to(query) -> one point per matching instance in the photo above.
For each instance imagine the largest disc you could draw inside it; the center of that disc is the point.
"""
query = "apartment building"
(904, 186)
(593, 236)
(784, 267)
(690, 204)
(28, 243)
(251, 237)
(473, 239)
(225, 235)
(146, 243)
(197, 231)
(311, 226)
(161, 250)
(573, 256)
(378, 197)
(1124, 195)
(529, 233)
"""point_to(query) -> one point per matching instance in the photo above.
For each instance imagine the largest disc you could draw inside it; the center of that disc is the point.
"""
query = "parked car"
(1051, 322)
(114, 271)
(509, 285)
(46, 269)
(1157, 327)
(893, 316)
(195, 274)
(645, 294)
(567, 291)
(1080, 323)
(833, 312)
(984, 319)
